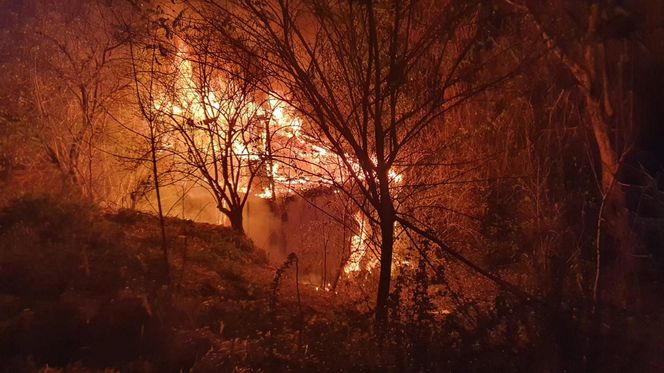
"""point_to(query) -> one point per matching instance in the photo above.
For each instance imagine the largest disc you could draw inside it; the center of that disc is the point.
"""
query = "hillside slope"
(80, 289)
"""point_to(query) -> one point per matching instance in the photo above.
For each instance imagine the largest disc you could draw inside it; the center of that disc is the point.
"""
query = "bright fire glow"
(304, 162)
(358, 247)
(266, 193)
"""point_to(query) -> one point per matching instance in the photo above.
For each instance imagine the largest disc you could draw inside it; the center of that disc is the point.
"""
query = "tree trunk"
(235, 217)
(386, 251)
(591, 75)
(617, 260)
(162, 223)
(607, 155)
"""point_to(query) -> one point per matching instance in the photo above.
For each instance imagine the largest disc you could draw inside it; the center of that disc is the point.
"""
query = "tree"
(219, 134)
(587, 59)
(212, 119)
(74, 62)
(370, 77)
(144, 68)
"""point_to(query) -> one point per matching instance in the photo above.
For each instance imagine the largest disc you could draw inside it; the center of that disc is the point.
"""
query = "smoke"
(264, 225)
(277, 227)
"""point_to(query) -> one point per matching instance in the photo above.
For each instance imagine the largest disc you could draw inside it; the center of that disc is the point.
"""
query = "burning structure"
(224, 134)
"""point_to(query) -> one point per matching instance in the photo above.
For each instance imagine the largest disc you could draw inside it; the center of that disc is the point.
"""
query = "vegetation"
(400, 185)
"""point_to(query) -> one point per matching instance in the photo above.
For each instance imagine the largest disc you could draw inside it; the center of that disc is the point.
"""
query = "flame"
(358, 248)
(266, 193)
(305, 164)
(309, 163)
(395, 176)
(279, 135)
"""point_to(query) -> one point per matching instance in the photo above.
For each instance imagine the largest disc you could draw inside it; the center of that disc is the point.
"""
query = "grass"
(80, 291)
(80, 288)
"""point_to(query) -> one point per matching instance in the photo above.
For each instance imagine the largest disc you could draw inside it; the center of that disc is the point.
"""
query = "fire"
(395, 176)
(294, 161)
(358, 247)
(281, 121)
(305, 162)
(266, 193)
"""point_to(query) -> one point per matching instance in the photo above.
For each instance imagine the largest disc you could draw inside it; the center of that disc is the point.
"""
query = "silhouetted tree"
(369, 77)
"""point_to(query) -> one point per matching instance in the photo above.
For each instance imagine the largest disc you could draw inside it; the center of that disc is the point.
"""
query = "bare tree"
(588, 60)
(370, 77)
(214, 121)
(77, 80)
(144, 68)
